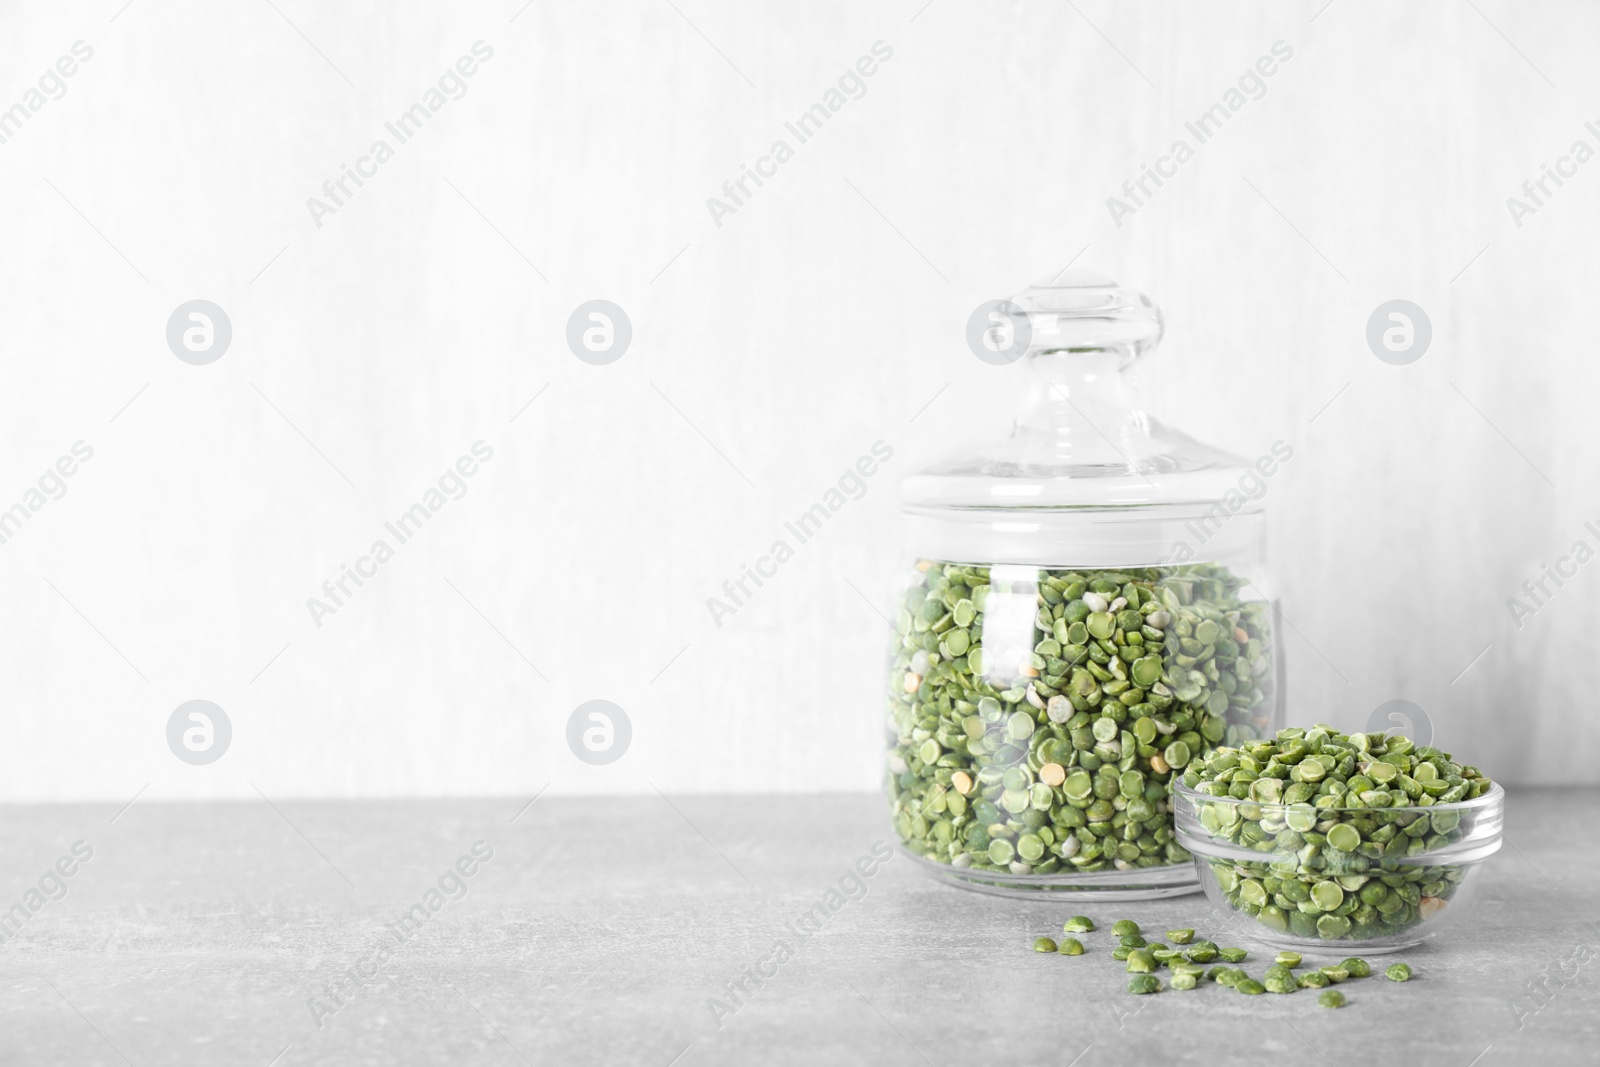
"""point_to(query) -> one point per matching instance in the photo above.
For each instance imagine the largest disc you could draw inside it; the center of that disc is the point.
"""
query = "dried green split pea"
(1056, 755)
(1340, 816)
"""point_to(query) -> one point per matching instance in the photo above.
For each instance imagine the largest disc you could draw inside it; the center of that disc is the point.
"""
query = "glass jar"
(1085, 610)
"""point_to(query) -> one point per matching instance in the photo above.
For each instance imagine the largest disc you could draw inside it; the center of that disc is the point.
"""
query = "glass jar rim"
(1493, 798)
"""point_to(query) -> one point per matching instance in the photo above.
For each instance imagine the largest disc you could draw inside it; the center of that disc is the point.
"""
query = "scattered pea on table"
(1144, 959)
(1279, 979)
(1140, 960)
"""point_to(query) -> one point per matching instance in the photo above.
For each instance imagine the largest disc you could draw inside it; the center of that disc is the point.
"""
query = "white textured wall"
(791, 338)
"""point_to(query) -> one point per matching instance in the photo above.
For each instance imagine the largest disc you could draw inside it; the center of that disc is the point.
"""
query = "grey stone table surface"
(609, 930)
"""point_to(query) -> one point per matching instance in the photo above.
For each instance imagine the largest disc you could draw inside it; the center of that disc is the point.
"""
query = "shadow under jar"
(1085, 610)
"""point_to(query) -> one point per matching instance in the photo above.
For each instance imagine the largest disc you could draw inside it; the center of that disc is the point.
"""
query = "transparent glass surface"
(1269, 869)
(1084, 609)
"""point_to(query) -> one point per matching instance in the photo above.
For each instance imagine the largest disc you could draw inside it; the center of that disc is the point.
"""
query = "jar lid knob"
(1081, 309)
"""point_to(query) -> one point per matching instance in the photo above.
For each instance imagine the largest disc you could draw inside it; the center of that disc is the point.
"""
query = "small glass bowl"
(1274, 886)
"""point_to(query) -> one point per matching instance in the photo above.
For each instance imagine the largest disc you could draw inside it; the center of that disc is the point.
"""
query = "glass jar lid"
(1078, 442)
